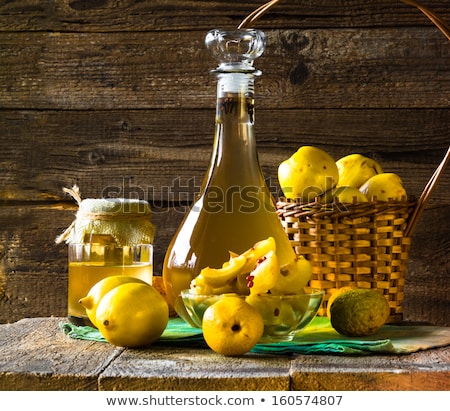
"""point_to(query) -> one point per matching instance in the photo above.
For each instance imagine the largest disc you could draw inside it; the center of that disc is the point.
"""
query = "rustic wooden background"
(115, 95)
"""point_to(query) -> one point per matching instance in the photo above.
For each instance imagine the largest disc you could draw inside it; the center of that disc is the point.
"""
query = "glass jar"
(91, 262)
(234, 208)
(109, 237)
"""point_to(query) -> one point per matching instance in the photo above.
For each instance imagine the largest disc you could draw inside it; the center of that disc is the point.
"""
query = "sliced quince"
(293, 277)
(199, 286)
(259, 250)
(274, 311)
(265, 275)
(218, 277)
(232, 255)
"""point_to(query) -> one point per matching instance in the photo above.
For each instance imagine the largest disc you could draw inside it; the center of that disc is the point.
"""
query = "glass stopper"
(235, 50)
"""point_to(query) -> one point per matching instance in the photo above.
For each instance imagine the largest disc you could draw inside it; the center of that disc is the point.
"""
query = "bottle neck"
(234, 178)
(235, 107)
(235, 83)
(234, 140)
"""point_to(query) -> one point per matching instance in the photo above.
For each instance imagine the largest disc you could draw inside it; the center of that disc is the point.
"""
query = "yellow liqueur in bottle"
(234, 208)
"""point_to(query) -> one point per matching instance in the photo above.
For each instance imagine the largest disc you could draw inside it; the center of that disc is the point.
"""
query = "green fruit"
(307, 174)
(358, 312)
(384, 186)
(356, 169)
(335, 294)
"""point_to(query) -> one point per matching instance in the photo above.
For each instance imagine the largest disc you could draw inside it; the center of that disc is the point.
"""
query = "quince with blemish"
(385, 187)
(307, 174)
(356, 169)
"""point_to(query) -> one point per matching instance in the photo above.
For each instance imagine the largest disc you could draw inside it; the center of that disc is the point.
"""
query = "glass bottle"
(234, 208)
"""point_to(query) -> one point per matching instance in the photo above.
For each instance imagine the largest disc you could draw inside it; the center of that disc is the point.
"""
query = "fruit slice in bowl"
(283, 315)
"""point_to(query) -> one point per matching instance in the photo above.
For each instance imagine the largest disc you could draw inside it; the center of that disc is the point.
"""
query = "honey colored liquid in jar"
(235, 208)
(95, 265)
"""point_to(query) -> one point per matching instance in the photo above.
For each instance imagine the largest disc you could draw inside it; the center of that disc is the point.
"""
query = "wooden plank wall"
(115, 95)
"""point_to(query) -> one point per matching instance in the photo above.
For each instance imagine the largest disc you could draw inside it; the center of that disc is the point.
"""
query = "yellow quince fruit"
(232, 327)
(343, 194)
(356, 169)
(307, 174)
(132, 315)
(91, 301)
(385, 187)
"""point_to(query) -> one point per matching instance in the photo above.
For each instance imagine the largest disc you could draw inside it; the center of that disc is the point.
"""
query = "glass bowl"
(283, 315)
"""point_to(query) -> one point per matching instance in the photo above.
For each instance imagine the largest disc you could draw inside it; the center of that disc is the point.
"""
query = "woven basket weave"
(360, 244)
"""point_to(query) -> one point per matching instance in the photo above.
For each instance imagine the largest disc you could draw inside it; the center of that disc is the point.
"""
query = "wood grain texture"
(314, 68)
(117, 97)
(175, 368)
(36, 355)
(33, 269)
(164, 15)
(365, 373)
(162, 155)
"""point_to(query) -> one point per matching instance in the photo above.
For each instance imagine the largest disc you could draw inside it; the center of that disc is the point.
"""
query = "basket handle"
(256, 14)
(434, 18)
(426, 193)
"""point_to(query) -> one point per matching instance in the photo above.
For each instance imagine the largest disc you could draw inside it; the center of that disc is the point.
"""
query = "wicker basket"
(359, 244)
